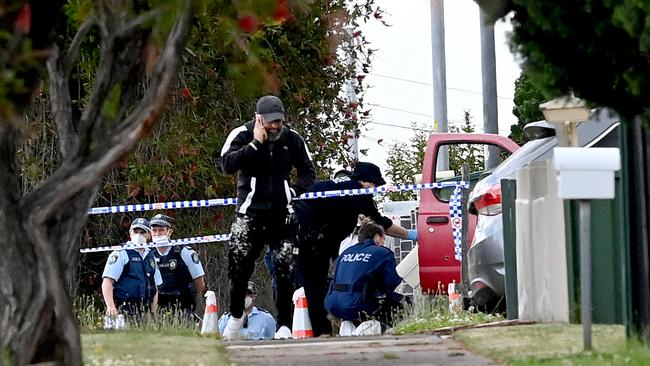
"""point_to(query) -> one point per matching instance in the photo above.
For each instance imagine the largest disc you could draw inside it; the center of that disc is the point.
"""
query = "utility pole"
(352, 147)
(439, 77)
(489, 78)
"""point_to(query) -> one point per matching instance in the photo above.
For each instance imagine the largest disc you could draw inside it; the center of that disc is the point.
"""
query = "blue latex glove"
(412, 234)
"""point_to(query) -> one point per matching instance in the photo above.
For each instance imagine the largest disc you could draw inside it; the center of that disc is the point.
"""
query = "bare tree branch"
(59, 67)
(61, 104)
(11, 49)
(85, 171)
(71, 54)
(136, 23)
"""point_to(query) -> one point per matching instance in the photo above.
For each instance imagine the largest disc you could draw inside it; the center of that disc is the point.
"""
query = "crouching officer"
(182, 273)
(258, 323)
(364, 280)
(131, 276)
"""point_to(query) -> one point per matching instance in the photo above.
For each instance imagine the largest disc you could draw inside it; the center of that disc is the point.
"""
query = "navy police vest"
(136, 284)
(176, 277)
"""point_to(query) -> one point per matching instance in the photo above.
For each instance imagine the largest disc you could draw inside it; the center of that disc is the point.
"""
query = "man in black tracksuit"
(324, 222)
(262, 152)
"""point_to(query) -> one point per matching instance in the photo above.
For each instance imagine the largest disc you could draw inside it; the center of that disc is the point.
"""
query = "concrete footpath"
(414, 349)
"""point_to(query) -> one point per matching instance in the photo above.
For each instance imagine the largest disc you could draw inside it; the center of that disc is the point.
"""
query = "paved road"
(421, 349)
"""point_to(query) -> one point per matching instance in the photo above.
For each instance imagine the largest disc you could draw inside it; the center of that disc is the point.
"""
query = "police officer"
(182, 273)
(364, 280)
(263, 153)
(324, 223)
(258, 323)
(131, 276)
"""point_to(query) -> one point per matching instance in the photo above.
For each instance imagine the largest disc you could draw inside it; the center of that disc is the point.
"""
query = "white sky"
(404, 52)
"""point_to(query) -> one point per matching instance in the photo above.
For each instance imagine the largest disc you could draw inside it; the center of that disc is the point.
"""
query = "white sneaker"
(368, 328)
(283, 333)
(347, 329)
(233, 327)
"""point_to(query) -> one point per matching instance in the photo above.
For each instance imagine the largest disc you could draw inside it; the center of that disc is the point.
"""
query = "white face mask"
(160, 239)
(248, 302)
(138, 238)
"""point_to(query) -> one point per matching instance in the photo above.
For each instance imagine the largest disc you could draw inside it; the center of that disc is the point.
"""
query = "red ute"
(438, 267)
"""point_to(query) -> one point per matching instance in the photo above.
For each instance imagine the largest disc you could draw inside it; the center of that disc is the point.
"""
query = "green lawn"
(147, 348)
(554, 344)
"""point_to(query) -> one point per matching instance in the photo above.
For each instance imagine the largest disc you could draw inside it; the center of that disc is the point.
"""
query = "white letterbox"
(586, 173)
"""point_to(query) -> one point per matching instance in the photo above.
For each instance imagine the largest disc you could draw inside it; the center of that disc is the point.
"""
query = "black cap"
(368, 172)
(161, 220)
(251, 287)
(271, 108)
(342, 173)
(140, 223)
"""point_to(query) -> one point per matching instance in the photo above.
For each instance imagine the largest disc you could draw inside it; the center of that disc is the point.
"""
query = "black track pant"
(248, 238)
(313, 270)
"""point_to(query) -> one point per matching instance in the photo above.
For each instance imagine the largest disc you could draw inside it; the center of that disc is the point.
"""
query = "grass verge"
(135, 347)
(432, 312)
(554, 344)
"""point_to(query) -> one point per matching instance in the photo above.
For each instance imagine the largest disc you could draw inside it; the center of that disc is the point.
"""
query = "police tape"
(455, 213)
(305, 196)
(171, 243)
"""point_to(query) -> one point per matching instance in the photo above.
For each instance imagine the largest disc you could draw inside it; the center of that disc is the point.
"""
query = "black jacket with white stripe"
(263, 187)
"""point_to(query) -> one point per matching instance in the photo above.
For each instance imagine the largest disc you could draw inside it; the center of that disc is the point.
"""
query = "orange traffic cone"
(455, 301)
(210, 320)
(301, 324)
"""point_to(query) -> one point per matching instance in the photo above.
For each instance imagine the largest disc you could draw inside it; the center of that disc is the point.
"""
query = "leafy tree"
(470, 154)
(527, 100)
(597, 49)
(405, 160)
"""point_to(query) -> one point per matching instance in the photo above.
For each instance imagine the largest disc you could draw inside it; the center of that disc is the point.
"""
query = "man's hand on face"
(259, 132)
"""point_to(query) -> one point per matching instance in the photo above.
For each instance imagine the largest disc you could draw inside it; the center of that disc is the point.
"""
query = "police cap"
(368, 172)
(140, 223)
(161, 220)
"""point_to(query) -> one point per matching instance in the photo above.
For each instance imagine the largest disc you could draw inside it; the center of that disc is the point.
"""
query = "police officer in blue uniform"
(365, 280)
(182, 273)
(324, 223)
(131, 276)
(258, 323)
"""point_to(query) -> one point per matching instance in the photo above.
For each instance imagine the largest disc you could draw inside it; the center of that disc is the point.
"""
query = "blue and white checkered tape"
(454, 211)
(162, 206)
(184, 241)
(305, 196)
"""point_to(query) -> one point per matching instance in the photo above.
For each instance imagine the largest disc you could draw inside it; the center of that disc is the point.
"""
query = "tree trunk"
(36, 316)
(40, 230)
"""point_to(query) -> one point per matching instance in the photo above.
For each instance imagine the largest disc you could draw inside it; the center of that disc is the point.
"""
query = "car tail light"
(489, 203)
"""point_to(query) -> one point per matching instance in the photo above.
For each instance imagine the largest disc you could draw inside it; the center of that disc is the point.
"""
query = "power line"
(410, 112)
(398, 126)
(417, 114)
(429, 84)
(421, 129)
(400, 110)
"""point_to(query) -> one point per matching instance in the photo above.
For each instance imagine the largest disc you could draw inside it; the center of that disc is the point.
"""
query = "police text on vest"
(358, 257)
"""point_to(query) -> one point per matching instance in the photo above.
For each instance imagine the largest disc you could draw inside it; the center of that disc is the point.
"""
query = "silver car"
(486, 270)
